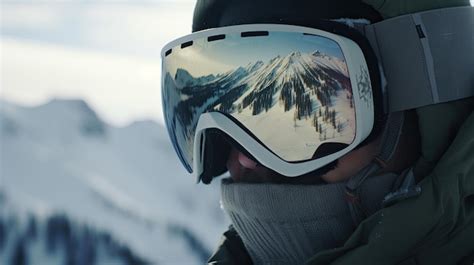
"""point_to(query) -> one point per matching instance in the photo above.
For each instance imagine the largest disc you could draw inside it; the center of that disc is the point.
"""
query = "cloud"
(117, 27)
(27, 16)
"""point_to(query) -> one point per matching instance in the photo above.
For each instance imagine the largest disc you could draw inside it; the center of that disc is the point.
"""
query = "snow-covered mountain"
(310, 91)
(56, 239)
(183, 78)
(60, 157)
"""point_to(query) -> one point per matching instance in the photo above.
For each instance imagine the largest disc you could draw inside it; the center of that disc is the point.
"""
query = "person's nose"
(246, 162)
(239, 164)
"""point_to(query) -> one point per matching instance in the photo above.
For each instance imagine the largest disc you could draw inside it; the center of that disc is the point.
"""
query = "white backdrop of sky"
(106, 52)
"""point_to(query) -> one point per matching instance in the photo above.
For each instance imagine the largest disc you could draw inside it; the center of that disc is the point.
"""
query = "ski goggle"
(295, 98)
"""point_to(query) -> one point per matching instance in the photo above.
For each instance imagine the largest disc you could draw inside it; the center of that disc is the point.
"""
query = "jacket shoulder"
(231, 250)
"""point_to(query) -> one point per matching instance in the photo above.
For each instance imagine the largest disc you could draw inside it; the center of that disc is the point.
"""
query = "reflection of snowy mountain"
(60, 157)
(183, 78)
(306, 86)
(292, 77)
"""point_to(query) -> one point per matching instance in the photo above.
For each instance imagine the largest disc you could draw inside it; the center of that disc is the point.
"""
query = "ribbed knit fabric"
(288, 224)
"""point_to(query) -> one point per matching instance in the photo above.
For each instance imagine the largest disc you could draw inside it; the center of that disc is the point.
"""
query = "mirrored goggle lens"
(290, 90)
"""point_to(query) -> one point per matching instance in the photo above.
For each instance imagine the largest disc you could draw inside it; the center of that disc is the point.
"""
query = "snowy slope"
(60, 157)
(26, 238)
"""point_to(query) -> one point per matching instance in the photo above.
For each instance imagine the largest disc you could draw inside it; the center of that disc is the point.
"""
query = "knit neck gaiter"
(288, 224)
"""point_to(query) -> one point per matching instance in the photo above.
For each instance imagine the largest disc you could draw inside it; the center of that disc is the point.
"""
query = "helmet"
(216, 13)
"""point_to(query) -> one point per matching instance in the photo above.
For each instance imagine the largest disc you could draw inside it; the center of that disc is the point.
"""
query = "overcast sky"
(106, 52)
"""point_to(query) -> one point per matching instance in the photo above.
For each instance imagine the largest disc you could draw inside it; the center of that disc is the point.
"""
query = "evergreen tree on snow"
(19, 255)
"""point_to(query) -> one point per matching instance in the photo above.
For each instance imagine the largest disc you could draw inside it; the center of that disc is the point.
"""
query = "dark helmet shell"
(219, 13)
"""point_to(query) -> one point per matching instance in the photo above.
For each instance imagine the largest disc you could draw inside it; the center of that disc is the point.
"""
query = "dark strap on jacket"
(231, 250)
(389, 143)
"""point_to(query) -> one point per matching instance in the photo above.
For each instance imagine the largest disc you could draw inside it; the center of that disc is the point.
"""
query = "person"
(331, 159)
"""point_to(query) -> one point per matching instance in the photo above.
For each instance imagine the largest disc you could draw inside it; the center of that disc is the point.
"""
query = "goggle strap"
(427, 57)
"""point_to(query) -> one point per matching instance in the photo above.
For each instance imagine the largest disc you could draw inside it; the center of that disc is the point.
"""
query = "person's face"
(244, 169)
